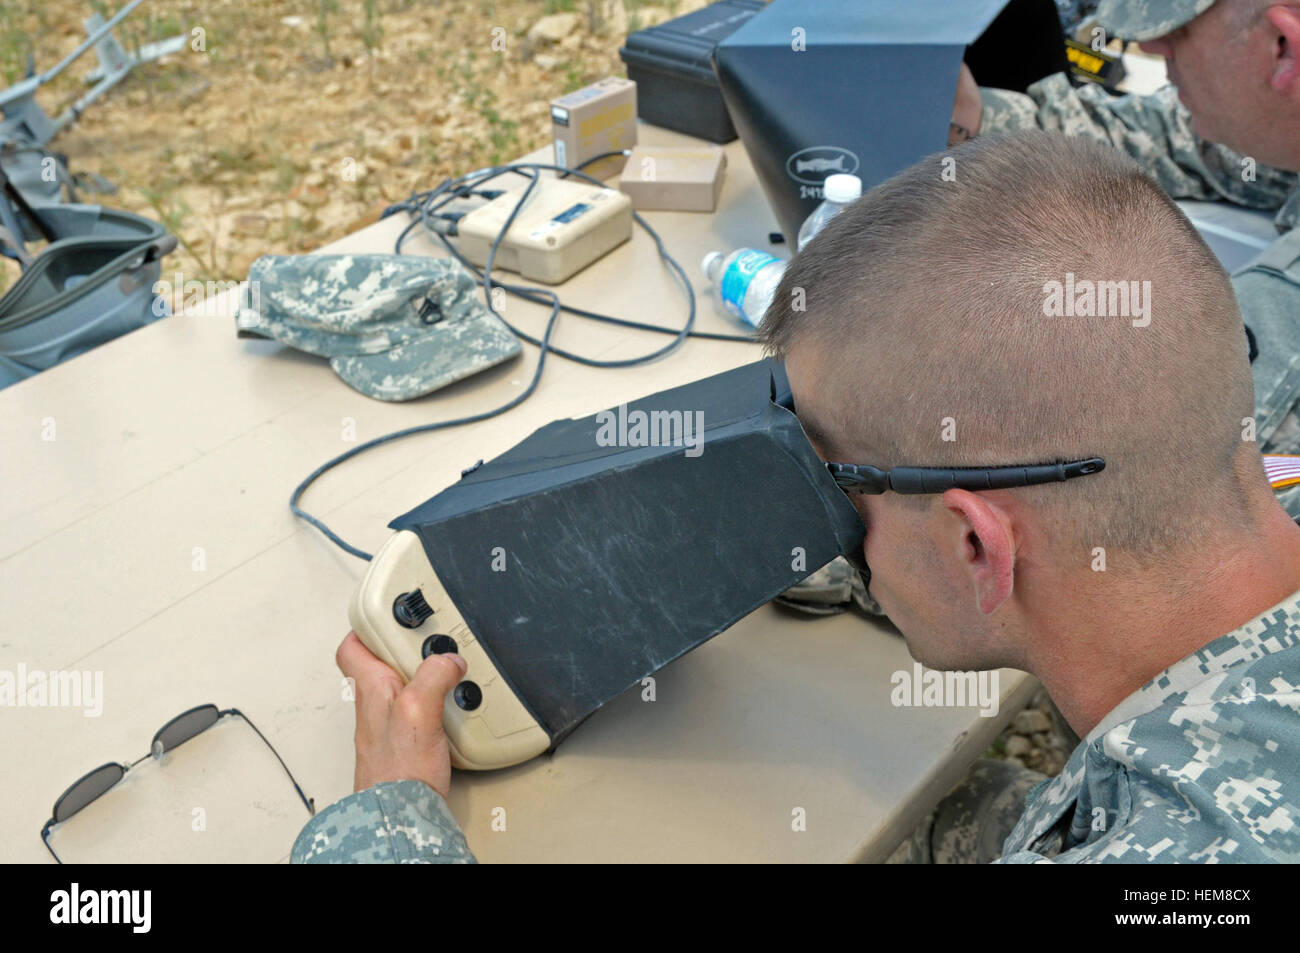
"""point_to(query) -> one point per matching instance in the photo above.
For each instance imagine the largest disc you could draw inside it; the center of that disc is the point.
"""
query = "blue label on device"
(736, 279)
(572, 212)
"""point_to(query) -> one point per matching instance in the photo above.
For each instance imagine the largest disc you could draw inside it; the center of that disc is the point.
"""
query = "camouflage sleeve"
(1023, 857)
(971, 823)
(397, 822)
(1155, 130)
(1268, 293)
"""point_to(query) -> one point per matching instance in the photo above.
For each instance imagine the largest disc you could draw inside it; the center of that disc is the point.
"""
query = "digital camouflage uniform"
(1155, 130)
(1074, 12)
(830, 590)
(397, 822)
(394, 327)
(971, 824)
(1199, 765)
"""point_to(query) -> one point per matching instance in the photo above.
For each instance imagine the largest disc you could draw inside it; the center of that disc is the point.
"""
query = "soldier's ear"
(984, 542)
(1285, 21)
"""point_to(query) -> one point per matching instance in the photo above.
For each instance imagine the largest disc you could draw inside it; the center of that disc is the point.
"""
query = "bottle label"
(736, 279)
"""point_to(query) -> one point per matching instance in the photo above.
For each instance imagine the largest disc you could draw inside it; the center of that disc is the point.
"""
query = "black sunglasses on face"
(175, 733)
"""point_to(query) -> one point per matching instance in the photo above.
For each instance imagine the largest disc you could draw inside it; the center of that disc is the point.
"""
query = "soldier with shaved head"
(1226, 127)
(1157, 599)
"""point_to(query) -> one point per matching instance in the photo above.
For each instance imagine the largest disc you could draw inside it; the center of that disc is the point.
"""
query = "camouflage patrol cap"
(394, 327)
(1148, 19)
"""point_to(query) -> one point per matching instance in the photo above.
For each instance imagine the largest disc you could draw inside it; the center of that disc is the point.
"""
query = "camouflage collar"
(1271, 631)
(1200, 678)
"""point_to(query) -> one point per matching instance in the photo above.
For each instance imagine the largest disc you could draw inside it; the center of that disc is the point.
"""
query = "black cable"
(421, 203)
(423, 210)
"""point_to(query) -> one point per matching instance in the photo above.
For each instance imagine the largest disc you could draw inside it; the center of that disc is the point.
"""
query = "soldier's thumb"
(436, 676)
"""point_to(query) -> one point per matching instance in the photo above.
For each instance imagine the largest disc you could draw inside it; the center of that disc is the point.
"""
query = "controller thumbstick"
(438, 645)
(410, 609)
(468, 695)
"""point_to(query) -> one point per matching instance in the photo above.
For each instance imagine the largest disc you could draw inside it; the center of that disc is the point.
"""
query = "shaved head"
(1030, 299)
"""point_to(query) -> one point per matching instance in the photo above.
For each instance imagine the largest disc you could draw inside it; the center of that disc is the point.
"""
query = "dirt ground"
(286, 124)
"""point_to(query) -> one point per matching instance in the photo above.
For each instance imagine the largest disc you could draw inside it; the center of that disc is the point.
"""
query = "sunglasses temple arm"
(938, 479)
(311, 803)
(45, 839)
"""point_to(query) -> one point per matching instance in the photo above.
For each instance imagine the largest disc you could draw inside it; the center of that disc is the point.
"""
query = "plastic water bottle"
(744, 282)
(839, 190)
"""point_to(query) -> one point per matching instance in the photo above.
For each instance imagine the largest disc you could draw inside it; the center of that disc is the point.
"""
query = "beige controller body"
(491, 731)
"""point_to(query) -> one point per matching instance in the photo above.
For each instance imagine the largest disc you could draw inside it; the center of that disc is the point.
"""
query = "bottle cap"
(842, 188)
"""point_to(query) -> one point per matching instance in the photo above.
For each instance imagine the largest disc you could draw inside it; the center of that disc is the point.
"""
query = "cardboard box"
(674, 178)
(598, 118)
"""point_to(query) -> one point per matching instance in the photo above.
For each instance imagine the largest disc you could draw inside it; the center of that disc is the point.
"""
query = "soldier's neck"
(1120, 633)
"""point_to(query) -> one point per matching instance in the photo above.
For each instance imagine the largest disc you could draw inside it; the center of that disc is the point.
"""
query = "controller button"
(438, 645)
(468, 695)
(410, 609)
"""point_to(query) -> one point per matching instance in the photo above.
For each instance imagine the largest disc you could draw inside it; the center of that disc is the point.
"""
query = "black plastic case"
(672, 67)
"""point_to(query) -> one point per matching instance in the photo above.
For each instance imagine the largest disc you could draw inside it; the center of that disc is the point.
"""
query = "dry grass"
(289, 124)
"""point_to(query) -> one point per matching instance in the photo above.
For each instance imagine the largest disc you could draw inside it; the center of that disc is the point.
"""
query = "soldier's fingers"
(361, 665)
(375, 684)
(436, 676)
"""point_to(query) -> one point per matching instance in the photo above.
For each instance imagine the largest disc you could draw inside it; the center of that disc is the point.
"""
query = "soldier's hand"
(399, 727)
(967, 108)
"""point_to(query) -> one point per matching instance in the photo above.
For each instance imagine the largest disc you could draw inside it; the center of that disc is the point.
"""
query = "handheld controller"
(403, 614)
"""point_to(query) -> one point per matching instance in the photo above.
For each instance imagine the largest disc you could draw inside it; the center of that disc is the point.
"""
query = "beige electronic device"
(592, 121)
(562, 228)
(403, 614)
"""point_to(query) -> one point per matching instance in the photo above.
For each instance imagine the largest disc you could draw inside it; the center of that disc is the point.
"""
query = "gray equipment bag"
(93, 282)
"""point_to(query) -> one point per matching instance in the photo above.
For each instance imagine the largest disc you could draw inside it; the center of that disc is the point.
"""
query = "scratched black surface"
(620, 559)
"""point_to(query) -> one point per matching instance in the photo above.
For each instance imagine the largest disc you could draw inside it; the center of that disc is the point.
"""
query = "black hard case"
(672, 67)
